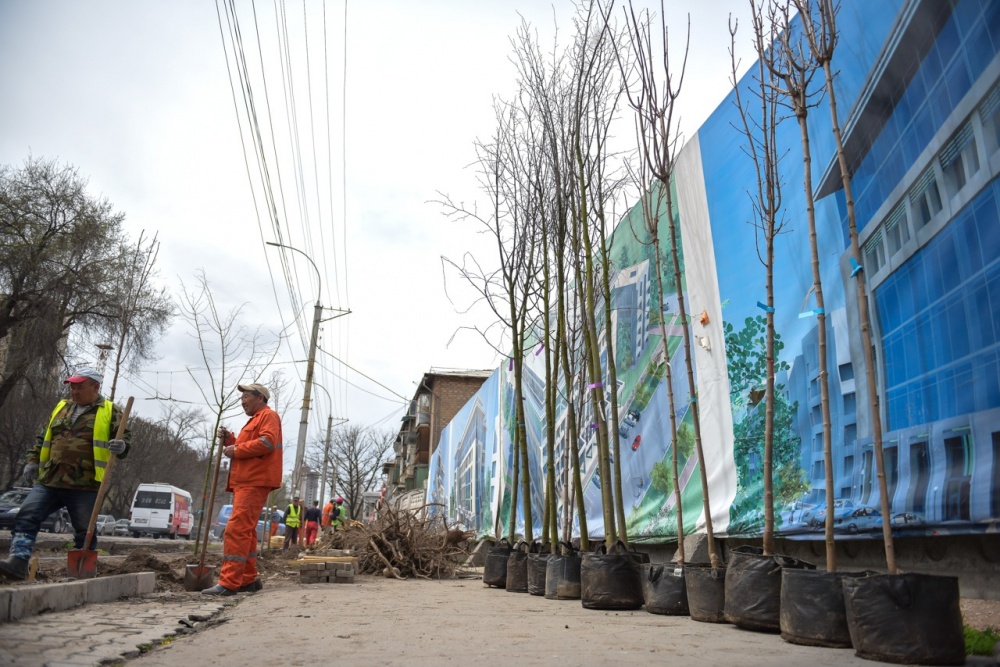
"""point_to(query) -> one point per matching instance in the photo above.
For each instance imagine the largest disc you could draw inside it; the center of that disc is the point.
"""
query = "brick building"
(439, 396)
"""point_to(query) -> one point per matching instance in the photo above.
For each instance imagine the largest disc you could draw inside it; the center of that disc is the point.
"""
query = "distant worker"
(275, 520)
(339, 519)
(328, 518)
(254, 471)
(66, 466)
(313, 516)
(293, 518)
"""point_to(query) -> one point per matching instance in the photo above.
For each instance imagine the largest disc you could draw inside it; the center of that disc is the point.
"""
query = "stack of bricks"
(332, 571)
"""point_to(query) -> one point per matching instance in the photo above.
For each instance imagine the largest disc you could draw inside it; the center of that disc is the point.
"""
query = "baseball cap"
(84, 373)
(259, 388)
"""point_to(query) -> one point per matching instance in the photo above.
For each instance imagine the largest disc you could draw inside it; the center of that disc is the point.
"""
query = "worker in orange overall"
(254, 471)
(327, 518)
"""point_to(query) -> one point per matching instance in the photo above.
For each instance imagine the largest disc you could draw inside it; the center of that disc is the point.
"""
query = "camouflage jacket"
(71, 457)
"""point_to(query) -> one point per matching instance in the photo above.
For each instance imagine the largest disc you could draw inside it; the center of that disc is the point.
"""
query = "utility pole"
(326, 460)
(300, 449)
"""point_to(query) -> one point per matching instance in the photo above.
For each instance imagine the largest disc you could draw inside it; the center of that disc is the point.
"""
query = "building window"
(874, 253)
(925, 198)
(846, 372)
(849, 465)
(989, 112)
(959, 160)
(897, 230)
(818, 471)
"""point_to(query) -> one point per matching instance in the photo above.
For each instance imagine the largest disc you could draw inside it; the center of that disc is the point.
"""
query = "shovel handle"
(205, 519)
(107, 474)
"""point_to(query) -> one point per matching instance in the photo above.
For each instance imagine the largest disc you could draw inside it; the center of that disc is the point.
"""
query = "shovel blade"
(199, 577)
(81, 563)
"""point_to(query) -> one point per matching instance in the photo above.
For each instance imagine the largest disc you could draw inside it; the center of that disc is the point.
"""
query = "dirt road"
(386, 622)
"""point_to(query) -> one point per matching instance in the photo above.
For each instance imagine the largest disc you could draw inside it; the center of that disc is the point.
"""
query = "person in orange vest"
(328, 517)
(293, 518)
(312, 523)
(254, 471)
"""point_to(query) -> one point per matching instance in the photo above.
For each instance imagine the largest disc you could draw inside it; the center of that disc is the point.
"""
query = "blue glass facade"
(940, 319)
(964, 47)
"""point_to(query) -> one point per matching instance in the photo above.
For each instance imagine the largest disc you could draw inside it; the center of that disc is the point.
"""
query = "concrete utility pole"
(300, 449)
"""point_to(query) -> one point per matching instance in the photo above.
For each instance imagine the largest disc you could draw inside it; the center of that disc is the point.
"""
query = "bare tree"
(760, 131)
(140, 312)
(797, 75)
(358, 454)
(821, 35)
(232, 353)
(654, 101)
(510, 289)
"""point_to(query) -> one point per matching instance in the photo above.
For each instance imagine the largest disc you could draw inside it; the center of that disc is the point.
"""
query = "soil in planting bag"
(517, 569)
(812, 607)
(495, 569)
(753, 587)
(562, 574)
(537, 561)
(663, 590)
(911, 618)
(706, 592)
(610, 580)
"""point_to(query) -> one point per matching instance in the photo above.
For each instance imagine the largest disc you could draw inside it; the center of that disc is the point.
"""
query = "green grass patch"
(980, 642)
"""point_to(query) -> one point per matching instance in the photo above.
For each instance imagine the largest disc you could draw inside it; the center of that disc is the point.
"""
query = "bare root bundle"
(404, 543)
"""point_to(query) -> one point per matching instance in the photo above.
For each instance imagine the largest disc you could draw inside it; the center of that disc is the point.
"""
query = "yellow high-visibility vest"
(102, 433)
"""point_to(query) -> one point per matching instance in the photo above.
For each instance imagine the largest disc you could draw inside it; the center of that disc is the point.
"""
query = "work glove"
(30, 474)
(116, 446)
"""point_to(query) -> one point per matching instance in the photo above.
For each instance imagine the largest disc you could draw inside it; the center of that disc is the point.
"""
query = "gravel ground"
(981, 614)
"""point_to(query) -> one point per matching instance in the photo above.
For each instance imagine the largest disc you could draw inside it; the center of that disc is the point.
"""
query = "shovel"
(199, 577)
(82, 563)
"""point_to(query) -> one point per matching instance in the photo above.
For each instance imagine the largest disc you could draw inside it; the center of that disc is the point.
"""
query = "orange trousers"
(239, 542)
(311, 529)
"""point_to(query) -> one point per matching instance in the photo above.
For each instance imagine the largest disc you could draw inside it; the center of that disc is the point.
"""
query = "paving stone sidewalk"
(107, 633)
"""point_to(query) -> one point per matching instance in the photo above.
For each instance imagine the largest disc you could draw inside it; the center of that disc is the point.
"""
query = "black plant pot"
(537, 564)
(753, 588)
(517, 569)
(611, 580)
(663, 589)
(562, 576)
(812, 608)
(495, 568)
(911, 619)
(706, 592)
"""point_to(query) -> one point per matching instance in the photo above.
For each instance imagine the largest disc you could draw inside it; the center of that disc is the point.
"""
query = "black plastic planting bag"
(611, 580)
(517, 569)
(495, 569)
(562, 575)
(905, 618)
(663, 589)
(706, 592)
(537, 565)
(812, 608)
(753, 587)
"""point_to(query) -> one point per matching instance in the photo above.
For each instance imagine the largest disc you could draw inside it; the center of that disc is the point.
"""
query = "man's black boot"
(252, 587)
(14, 567)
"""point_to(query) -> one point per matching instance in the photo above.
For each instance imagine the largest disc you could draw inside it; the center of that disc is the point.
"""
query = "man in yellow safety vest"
(293, 519)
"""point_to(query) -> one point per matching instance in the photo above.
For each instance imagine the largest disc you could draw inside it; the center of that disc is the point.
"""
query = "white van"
(161, 509)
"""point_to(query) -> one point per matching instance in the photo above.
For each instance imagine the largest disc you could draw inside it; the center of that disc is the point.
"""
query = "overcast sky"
(137, 96)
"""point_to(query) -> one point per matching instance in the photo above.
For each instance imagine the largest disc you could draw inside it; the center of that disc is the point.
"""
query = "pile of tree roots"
(405, 543)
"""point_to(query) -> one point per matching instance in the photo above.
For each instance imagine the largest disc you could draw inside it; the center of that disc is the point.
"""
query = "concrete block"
(5, 595)
(106, 589)
(32, 600)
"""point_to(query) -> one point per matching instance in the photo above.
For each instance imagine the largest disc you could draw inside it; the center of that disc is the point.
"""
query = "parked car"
(795, 512)
(816, 517)
(219, 525)
(906, 519)
(636, 442)
(121, 528)
(10, 505)
(277, 518)
(105, 524)
(857, 520)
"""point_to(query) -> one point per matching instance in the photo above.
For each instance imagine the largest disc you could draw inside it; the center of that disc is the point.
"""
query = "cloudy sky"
(139, 96)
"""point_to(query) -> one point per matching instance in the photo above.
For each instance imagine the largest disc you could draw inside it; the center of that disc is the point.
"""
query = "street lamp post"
(326, 445)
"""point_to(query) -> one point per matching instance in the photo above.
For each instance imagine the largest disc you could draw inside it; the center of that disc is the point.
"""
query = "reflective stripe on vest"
(292, 518)
(102, 433)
